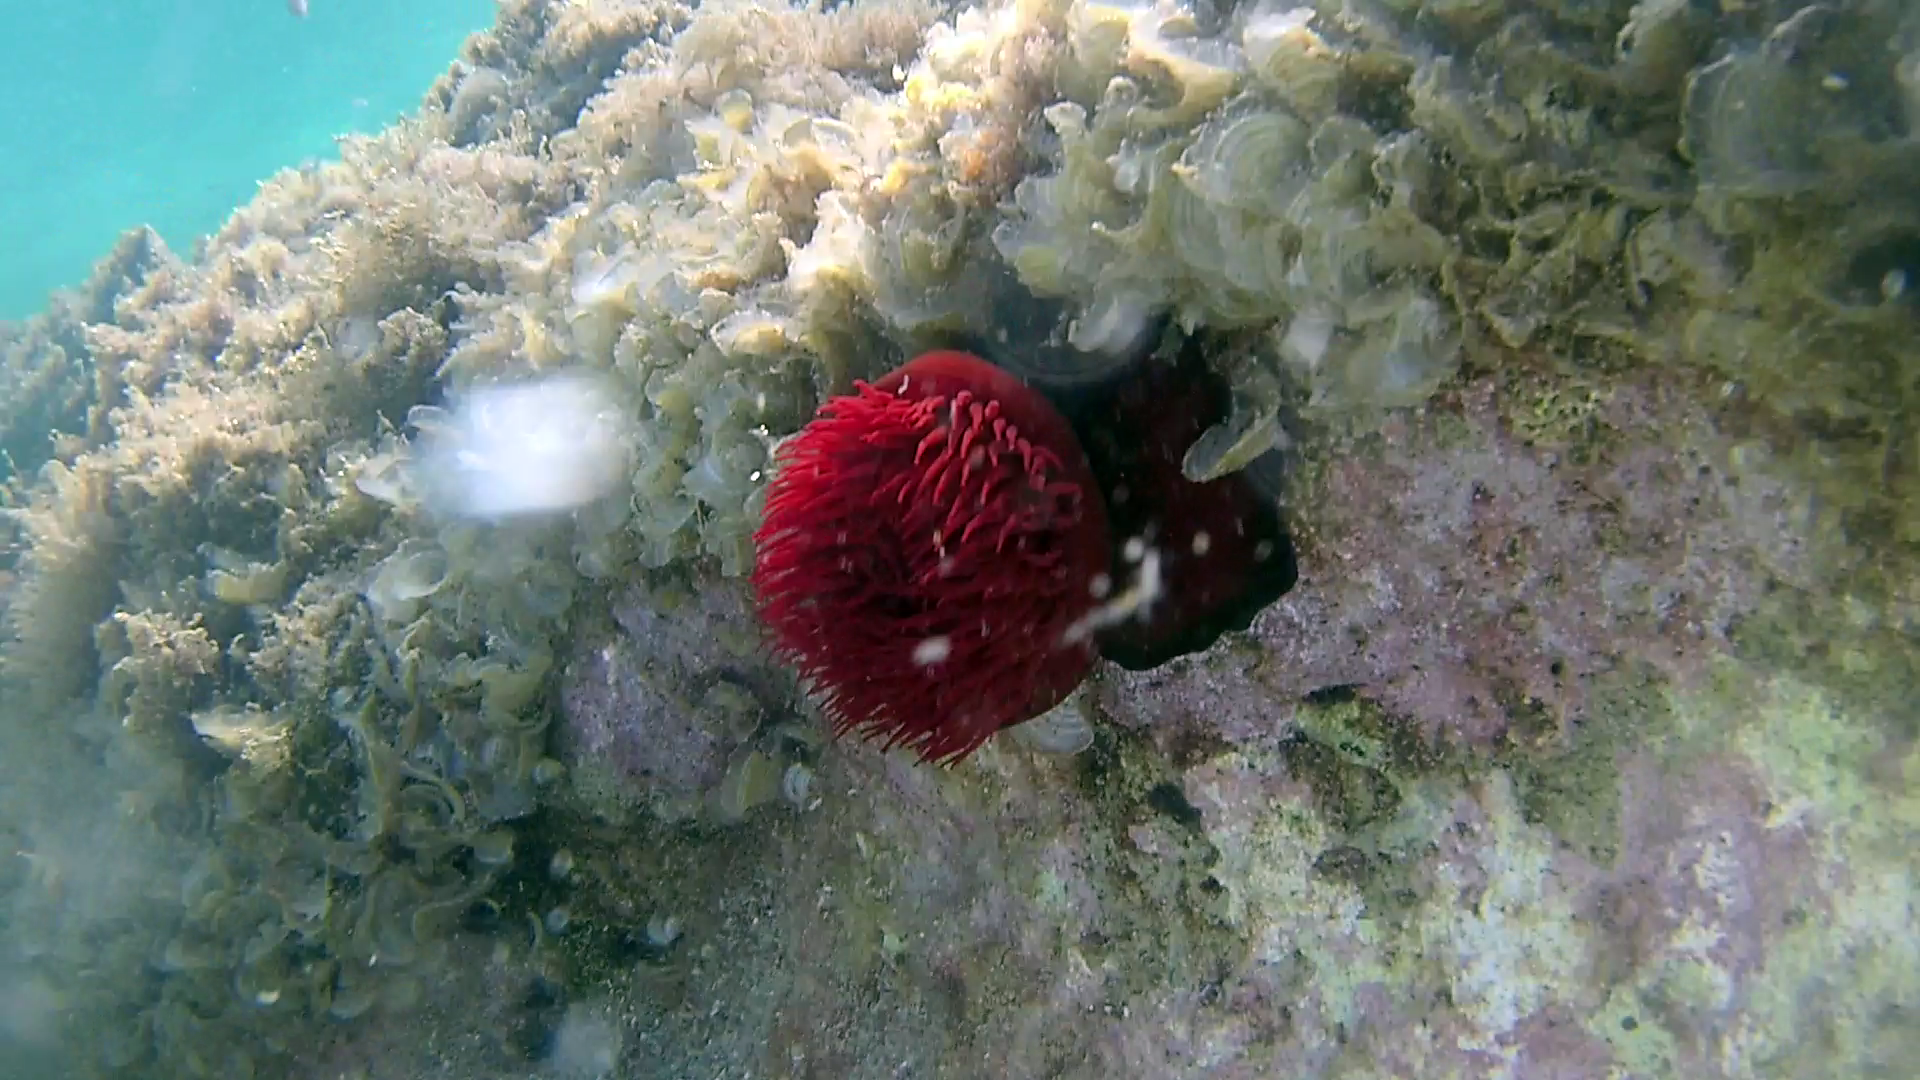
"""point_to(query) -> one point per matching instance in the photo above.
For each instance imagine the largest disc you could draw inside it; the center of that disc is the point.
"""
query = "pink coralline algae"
(655, 705)
(1458, 574)
(1492, 794)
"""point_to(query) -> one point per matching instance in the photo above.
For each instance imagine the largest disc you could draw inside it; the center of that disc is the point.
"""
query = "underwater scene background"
(1351, 538)
(170, 112)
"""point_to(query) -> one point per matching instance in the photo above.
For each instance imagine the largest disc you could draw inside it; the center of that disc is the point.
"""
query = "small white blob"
(519, 449)
(932, 651)
(1136, 601)
(662, 930)
(1307, 338)
(586, 1044)
(796, 784)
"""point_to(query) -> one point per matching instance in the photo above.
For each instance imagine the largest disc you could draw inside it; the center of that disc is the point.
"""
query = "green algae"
(1161, 906)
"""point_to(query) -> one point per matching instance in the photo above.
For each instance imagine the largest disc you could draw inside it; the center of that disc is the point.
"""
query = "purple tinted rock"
(1710, 890)
(1709, 882)
(654, 705)
(1453, 572)
(1552, 1044)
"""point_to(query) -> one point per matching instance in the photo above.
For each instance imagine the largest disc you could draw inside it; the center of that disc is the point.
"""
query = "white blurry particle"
(1893, 284)
(662, 930)
(1100, 586)
(586, 1044)
(932, 651)
(1833, 82)
(1202, 543)
(1307, 338)
(1135, 602)
(1134, 549)
(1263, 551)
(516, 449)
(796, 784)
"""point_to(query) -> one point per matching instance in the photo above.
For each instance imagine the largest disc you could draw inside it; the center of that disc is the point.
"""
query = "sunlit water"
(169, 112)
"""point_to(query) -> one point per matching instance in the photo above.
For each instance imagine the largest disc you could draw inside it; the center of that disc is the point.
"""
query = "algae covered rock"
(1576, 337)
(677, 710)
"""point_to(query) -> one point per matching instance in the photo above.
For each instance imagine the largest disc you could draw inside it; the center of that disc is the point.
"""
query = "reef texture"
(1585, 746)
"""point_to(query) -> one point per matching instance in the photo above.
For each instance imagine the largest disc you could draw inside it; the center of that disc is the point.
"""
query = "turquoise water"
(170, 112)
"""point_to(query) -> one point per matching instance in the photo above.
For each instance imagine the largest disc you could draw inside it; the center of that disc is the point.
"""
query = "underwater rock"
(1455, 574)
(1579, 748)
(657, 708)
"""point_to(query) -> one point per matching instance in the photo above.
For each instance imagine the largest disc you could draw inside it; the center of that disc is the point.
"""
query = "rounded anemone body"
(929, 542)
(1222, 548)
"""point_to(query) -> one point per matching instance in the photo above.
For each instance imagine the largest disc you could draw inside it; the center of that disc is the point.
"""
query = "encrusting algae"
(1577, 337)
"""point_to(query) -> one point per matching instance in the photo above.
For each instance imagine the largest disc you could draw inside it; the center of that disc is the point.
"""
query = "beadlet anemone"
(944, 555)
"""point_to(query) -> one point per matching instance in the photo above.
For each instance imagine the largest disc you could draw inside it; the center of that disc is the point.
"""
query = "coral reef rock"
(1582, 335)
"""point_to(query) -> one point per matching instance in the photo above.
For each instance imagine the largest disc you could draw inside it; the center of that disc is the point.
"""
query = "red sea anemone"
(930, 545)
(944, 553)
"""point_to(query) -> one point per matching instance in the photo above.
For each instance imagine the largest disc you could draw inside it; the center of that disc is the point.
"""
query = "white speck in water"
(796, 784)
(1893, 285)
(932, 651)
(586, 1044)
(662, 930)
(1135, 601)
(1202, 543)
